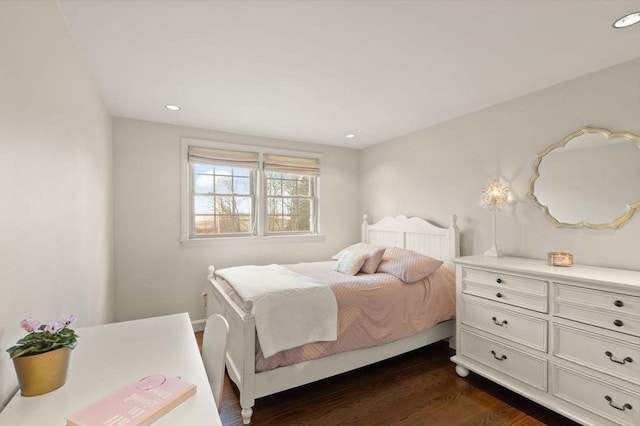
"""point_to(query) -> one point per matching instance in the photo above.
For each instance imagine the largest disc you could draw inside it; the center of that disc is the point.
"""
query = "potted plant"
(41, 358)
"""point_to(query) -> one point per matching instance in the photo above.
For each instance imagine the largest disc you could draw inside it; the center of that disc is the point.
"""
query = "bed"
(244, 352)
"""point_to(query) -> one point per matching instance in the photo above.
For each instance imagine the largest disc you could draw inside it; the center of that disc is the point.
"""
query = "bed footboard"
(240, 358)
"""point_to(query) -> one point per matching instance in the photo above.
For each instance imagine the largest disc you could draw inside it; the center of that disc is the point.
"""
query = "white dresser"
(565, 337)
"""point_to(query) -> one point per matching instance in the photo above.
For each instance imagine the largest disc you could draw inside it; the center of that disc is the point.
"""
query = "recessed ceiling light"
(172, 107)
(627, 20)
(350, 136)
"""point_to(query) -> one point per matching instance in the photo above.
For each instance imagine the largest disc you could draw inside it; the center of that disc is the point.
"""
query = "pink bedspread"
(373, 309)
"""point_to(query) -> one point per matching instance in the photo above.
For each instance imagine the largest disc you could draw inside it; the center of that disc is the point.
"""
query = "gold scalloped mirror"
(590, 179)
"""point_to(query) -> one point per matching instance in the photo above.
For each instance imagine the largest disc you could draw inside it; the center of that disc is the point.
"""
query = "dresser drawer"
(505, 288)
(614, 403)
(601, 353)
(599, 318)
(518, 364)
(502, 295)
(616, 303)
(502, 322)
(499, 279)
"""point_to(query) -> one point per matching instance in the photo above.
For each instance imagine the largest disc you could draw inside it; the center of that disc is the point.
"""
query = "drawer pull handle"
(618, 303)
(617, 323)
(501, 358)
(499, 281)
(623, 408)
(498, 295)
(624, 361)
(501, 324)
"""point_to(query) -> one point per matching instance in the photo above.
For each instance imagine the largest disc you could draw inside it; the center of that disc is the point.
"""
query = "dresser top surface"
(541, 268)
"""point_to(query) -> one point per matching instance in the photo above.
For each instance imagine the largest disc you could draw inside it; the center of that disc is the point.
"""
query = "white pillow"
(349, 262)
(374, 256)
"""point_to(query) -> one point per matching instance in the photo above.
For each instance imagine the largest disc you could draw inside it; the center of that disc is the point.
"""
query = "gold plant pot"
(42, 373)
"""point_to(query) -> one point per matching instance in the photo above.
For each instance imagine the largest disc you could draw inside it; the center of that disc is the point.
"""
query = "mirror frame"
(631, 208)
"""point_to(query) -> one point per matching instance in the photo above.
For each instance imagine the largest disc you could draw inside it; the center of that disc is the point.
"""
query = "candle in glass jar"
(557, 258)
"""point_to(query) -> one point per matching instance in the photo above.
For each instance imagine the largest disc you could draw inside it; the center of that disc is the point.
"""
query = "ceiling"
(315, 71)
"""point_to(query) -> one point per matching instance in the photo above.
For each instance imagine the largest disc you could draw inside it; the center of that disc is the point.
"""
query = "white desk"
(109, 357)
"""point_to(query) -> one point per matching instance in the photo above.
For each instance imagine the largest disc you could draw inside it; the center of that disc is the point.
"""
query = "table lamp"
(495, 197)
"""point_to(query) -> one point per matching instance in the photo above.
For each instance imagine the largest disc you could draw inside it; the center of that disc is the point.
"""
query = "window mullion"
(260, 205)
(192, 201)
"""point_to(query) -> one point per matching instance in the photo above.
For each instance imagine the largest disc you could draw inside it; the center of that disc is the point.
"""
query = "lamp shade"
(496, 194)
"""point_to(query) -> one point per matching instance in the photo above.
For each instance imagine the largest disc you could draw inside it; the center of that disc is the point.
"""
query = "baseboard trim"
(198, 325)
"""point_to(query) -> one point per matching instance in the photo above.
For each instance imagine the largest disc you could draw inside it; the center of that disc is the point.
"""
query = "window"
(235, 193)
(222, 200)
(290, 190)
(289, 202)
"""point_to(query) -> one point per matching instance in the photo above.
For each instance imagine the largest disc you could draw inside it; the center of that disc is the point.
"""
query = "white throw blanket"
(290, 309)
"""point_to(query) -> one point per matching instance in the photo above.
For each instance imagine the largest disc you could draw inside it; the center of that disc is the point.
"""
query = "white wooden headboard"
(415, 234)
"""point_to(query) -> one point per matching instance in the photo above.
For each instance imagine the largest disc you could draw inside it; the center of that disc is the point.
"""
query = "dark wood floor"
(418, 388)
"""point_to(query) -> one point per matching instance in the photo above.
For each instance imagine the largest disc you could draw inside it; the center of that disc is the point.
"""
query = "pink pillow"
(407, 265)
(374, 256)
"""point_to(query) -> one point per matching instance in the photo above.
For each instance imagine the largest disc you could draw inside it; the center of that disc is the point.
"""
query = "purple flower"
(70, 319)
(43, 338)
(53, 328)
(29, 324)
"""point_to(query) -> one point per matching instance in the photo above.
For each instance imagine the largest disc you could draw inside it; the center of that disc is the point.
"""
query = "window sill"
(196, 242)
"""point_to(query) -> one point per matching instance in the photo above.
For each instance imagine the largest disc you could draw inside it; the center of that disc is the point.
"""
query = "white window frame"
(260, 197)
(253, 174)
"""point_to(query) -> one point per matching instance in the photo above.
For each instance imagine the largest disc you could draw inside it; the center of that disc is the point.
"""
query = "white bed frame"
(411, 233)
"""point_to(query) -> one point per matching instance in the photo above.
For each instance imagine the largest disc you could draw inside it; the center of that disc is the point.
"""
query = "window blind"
(296, 165)
(246, 159)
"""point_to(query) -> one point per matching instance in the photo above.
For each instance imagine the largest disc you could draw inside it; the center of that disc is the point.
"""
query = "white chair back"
(214, 349)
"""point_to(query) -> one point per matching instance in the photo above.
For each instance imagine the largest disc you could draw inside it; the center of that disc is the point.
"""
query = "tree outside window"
(290, 199)
(222, 200)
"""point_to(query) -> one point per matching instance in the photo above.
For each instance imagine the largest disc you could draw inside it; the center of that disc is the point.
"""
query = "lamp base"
(493, 252)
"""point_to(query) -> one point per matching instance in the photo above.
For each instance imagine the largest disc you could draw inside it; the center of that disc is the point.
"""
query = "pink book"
(140, 403)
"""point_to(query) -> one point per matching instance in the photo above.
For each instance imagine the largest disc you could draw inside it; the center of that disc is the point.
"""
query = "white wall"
(55, 180)
(154, 275)
(442, 170)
